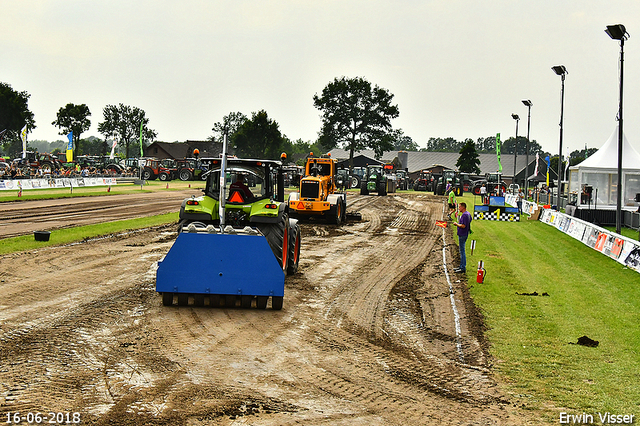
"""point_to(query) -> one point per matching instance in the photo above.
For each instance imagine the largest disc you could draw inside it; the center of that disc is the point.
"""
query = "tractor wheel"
(164, 176)
(185, 174)
(167, 299)
(382, 190)
(344, 211)
(147, 174)
(276, 302)
(355, 181)
(363, 188)
(261, 302)
(46, 167)
(276, 235)
(335, 214)
(295, 239)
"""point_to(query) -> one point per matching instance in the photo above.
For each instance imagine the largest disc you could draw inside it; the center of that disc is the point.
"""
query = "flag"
(537, 160)
(566, 168)
(70, 147)
(498, 152)
(113, 149)
(141, 152)
(441, 223)
(23, 136)
(548, 161)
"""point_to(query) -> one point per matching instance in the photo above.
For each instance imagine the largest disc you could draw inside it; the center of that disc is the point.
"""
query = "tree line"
(355, 115)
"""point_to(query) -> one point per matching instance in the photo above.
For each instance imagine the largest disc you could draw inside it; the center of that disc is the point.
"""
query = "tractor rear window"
(242, 184)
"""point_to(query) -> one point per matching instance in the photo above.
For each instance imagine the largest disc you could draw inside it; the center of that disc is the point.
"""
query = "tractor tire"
(183, 299)
(46, 167)
(355, 181)
(276, 302)
(277, 234)
(382, 189)
(167, 299)
(245, 301)
(164, 176)
(147, 174)
(198, 299)
(185, 174)
(363, 189)
(335, 213)
(295, 239)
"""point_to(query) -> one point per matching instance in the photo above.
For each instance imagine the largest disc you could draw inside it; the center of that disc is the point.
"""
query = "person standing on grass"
(464, 226)
(452, 203)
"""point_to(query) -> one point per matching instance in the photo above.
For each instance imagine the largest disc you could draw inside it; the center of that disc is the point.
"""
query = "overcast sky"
(457, 68)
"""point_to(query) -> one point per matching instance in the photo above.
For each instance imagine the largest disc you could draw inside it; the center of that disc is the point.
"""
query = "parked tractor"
(493, 182)
(37, 160)
(319, 194)
(425, 181)
(374, 180)
(155, 169)
(188, 169)
(402, 180)
(234, 244)
(449, 177)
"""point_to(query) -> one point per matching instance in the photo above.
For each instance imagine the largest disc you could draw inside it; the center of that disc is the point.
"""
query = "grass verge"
(70, 235)
(531, 336)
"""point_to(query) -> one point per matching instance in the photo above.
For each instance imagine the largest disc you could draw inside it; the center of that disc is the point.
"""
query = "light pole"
(515, 147)
(529, 104)
(618, 32)
(562, 72)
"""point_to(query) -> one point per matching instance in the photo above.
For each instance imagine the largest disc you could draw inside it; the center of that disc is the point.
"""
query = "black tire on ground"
(276, 302)
(335, 213)
(261, 302)
(167, 299)
(363, 189)
(245, 301)
(295, 239)
(344, 211)
(277, 234)
(183, 299)
(164, 176)
(382, 188)
(185, 174)
(355, 181)
(198, 299)
(147, 174)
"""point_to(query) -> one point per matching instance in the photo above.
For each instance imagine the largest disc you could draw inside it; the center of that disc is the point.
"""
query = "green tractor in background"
(374, 180)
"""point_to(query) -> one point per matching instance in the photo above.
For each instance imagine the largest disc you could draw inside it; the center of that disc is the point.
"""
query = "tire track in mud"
(353, 344)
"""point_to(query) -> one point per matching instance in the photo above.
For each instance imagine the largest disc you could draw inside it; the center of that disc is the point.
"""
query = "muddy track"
(366, 335)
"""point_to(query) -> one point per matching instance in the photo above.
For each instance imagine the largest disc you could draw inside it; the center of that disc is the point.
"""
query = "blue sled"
(214, 265)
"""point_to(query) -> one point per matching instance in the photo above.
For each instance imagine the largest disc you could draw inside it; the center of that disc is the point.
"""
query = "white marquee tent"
(600, 171)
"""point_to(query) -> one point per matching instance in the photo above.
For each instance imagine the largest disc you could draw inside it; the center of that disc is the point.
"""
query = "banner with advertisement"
(619, 248)
(15, 185)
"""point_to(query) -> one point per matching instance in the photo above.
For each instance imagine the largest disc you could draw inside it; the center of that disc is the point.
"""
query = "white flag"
(113, 149)
(537, 159)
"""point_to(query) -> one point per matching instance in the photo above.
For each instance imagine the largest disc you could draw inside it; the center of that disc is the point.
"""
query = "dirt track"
(367, 335)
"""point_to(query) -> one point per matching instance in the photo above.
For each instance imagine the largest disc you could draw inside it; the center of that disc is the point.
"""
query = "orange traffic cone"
(109, 189)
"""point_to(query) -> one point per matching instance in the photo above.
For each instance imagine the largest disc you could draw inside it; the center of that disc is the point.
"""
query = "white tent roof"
(607, 156)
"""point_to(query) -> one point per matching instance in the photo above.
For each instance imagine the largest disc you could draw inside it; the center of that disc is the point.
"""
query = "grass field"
(531, 336)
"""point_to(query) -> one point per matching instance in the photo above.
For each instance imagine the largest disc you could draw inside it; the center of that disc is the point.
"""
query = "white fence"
(25, 184)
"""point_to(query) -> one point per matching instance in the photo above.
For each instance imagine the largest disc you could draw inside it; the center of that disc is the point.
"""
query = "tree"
(123, 123)
(578, 156)
(233, 121)
(356, 116)
(14, 114)
(73, 118)
(402, 142)
(258, 138)
(444, 145)
(468, 161)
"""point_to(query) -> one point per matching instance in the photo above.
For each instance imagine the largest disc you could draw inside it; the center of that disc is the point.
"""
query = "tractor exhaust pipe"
(223, 177)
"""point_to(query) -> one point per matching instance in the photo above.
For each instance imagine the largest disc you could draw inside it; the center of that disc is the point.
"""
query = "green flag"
(141, 152)
(498, 152)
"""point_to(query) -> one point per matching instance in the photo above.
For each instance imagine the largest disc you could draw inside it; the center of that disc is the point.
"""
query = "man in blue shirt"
(463, 225)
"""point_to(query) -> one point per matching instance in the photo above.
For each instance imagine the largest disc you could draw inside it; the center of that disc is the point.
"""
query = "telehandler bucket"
(221, 266)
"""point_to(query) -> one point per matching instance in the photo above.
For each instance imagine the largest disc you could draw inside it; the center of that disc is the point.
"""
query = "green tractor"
(374, 180)
(243, 246)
